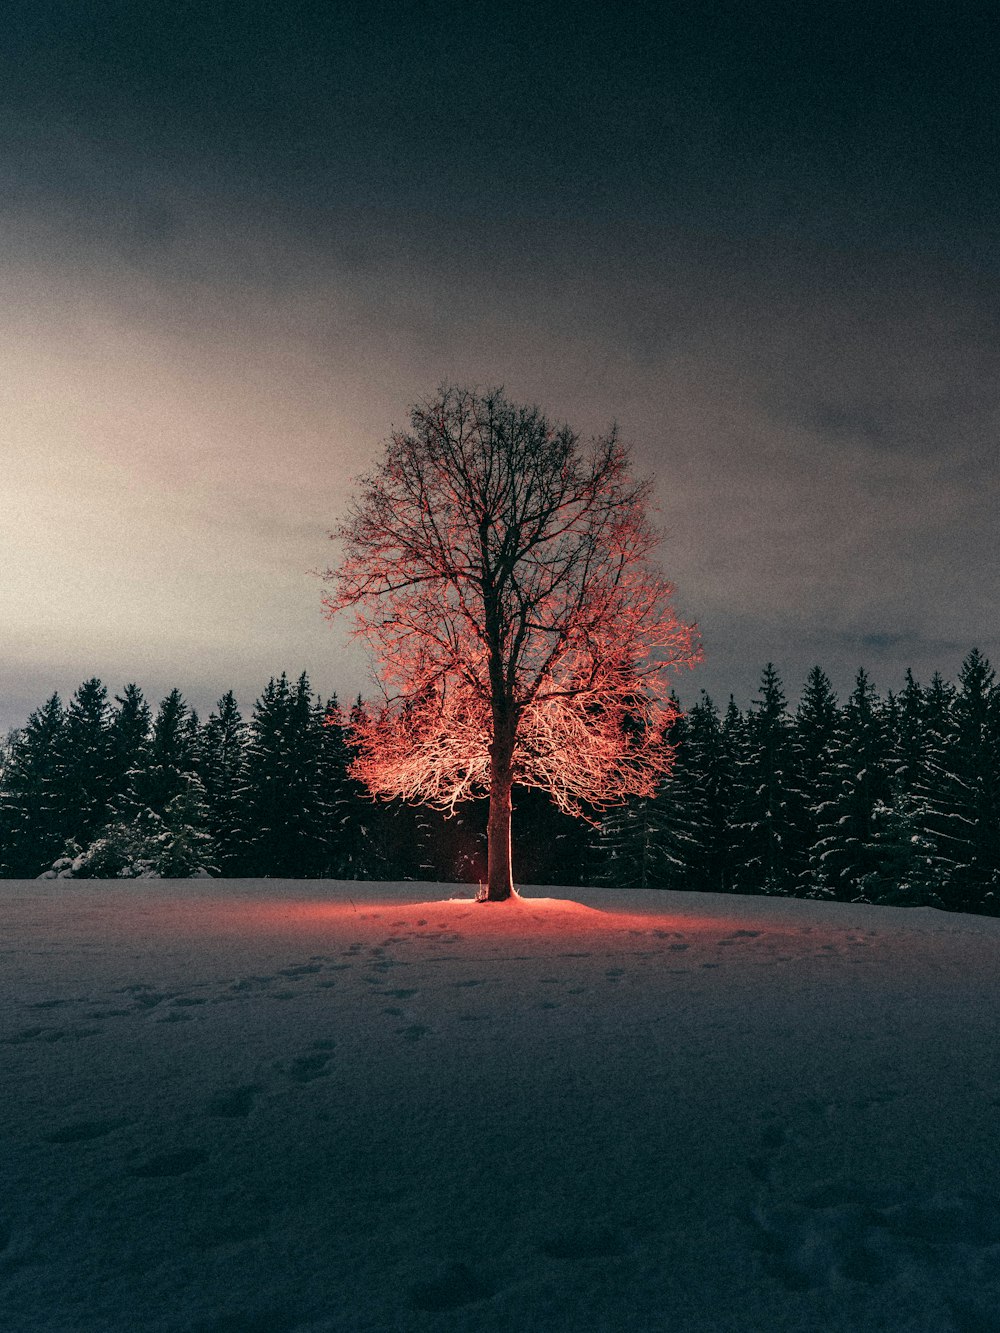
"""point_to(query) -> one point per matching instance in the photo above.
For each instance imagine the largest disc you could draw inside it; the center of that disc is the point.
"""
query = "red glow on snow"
(247, 918)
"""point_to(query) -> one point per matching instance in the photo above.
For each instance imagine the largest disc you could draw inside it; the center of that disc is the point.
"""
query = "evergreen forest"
(890, 799)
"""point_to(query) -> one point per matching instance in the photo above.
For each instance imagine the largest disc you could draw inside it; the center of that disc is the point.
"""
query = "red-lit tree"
(502, 576)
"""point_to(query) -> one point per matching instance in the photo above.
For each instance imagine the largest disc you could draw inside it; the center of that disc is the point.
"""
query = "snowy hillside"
(314, 1107)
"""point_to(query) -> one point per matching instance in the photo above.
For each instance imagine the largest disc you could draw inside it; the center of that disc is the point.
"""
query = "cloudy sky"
(238, 240)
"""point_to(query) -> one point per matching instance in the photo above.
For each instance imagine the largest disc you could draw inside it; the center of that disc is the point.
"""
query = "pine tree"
(286, 808)
(220, 761)
(765, 830)
(171, 758)
(904, 872)
(680, 814)
(623, 846)
(931, 778)
(375, 846)
(145, 844)
(811, 781)
(907, 870)
(33, 812)
(642, 843)
(846, 850)
(129, 739)
(682, 837)
(182, 847)
(710, 757)
(463, 856)
(734, 745)
(6, 836)
(966, 814)
(86, 773)
(908, 737)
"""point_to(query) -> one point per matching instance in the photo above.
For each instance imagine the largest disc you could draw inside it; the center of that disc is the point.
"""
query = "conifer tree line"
(888, 800)
(111, 787)
(103, 788)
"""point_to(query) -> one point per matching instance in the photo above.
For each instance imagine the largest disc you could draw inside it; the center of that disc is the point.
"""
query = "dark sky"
(239, 240)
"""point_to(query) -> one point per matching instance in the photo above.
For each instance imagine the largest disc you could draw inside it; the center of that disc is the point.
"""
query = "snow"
(307, 1107)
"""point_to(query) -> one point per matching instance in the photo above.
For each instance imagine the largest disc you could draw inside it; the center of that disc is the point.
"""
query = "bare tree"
(501, 575)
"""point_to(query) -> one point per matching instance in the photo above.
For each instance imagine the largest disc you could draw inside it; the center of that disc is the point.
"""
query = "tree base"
(483, 895)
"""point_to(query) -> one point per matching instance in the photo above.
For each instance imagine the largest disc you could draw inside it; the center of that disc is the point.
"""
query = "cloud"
(193, 388)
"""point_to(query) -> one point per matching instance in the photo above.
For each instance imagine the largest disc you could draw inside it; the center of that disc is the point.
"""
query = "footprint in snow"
(243, 985)
(166, 1164)
(413, 1033)
(805, 1248)
(144, 996)
(83, 1131)
(234, 1103)
(27, 1035)
(878, 1098)
(838, 1232)
(31, 1034)
(454, 1286)
(305, 1068)
(149, 999)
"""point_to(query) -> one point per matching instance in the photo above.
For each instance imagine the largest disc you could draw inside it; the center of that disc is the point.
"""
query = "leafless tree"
(502, 575)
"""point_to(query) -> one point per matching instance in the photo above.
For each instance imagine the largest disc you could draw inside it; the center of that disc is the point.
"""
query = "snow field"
(307, 1107)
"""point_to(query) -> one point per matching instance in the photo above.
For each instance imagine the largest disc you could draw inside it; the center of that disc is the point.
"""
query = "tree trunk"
(499, 876)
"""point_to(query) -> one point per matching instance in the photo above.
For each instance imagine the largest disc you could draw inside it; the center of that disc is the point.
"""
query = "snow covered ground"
(300, 1107)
